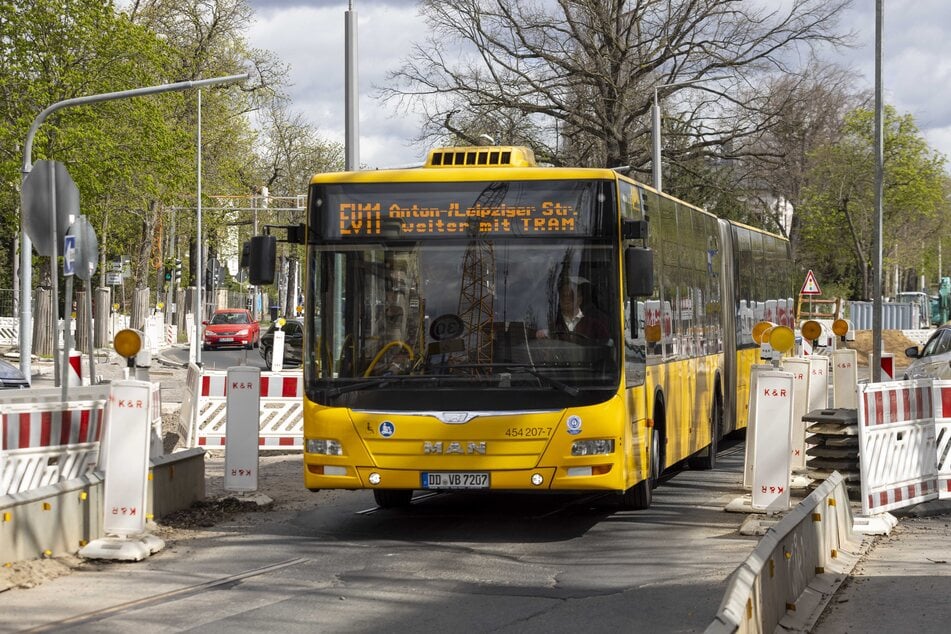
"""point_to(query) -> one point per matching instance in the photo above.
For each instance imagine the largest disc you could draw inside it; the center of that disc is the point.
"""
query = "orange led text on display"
(368, 219)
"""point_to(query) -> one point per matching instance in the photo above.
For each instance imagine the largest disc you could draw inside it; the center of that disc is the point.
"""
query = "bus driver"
(573, 319)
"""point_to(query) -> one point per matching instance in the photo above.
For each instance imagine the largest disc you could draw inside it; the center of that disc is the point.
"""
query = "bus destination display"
(527, 211)
(367, 219)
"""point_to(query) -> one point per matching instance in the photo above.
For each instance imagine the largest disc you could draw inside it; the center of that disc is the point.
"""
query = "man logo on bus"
(387, 429)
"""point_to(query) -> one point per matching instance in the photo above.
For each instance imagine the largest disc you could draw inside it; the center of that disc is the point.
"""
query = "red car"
(231, 327)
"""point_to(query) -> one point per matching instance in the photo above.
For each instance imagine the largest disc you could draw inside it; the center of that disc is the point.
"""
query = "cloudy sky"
(308, 35)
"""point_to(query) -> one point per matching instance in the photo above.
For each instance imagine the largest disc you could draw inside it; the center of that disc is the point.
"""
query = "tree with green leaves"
(838, 214)
(61, 50)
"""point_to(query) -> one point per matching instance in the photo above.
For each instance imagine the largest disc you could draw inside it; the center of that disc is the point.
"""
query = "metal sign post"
(86, 262)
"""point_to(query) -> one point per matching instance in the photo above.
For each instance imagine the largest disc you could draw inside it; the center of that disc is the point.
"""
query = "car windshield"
(230, 318)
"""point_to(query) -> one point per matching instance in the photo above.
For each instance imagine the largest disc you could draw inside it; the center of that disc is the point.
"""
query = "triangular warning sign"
(810, 286)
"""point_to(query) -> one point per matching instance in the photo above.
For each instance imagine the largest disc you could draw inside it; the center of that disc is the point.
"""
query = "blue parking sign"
(69, 255)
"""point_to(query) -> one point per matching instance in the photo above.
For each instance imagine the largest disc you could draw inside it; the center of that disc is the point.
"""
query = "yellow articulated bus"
(483, 323)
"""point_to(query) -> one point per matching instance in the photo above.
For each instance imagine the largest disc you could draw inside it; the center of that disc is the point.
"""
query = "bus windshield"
(463, 324)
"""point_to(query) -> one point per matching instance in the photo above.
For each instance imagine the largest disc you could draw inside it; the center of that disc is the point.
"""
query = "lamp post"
(26, 245)
(351, 92)
(655, 116)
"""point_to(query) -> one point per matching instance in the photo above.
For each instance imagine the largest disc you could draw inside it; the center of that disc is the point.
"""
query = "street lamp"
(26, 245)
(655, 116)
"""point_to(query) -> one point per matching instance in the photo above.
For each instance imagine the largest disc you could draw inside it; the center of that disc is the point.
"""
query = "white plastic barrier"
(784, 579)
(818, 382)
(171, 334)
(896, 445)
(241, 444)
(188, 415)
(772, 402)
(157, 444)
(126, 484)
(9, 331)
(125, 488)
(155, 333)
(941, 397)
(799, 368)
(45, 441)
(749, 457)
(117, 322)
(845, 379)
(282, 409)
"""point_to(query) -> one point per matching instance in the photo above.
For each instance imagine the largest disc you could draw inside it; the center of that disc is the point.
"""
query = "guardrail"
(794, 570)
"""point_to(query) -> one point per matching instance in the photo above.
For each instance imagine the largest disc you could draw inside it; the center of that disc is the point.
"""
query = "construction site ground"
(893, 341)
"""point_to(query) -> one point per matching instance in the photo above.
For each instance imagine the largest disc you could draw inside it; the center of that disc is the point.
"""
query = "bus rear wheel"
(392, 498)
(707, 459)
(640, 496)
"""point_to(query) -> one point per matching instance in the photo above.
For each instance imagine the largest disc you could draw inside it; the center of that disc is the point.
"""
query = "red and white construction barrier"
(896, 445)
(941, 397)
(44, 441)
(204, 409)
(75, 372)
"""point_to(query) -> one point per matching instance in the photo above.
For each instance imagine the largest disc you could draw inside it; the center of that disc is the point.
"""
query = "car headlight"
(324, 446)
(243, 332)
(600, 446)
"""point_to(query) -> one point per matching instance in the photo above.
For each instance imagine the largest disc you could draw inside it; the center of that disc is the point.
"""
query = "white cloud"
(311, 39)
(916, 61)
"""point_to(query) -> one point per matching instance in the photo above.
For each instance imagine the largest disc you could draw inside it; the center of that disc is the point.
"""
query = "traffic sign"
(810, 286)
(87, 248)
(69, 255)
(114, 279)
(44, 225)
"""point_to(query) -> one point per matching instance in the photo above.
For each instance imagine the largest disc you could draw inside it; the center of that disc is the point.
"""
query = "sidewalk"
(901, 584)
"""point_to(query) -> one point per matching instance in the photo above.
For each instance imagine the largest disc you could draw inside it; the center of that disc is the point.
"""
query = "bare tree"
(291, 151)
(582, 73)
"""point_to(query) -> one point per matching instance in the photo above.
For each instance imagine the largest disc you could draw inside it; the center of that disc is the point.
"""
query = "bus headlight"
(324, 447)
(600, 446)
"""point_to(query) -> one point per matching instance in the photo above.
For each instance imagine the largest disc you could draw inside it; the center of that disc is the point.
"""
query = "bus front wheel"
(640, 496)
(392, 498)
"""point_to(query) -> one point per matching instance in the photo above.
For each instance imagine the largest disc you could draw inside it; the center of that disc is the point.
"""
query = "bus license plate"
(455, 480)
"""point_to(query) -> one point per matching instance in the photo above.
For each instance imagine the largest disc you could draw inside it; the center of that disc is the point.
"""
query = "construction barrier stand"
(818, 382)
(845, 378)
(773, 404)
(127, 457)
(277, 351)
(749, 457)
(799, 368)
(241, 440)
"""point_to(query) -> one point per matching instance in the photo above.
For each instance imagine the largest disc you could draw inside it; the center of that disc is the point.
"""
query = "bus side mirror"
(261, 259)
(639, 272)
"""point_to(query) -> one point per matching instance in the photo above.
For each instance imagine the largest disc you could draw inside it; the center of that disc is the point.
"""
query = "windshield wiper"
(547, 380)
(359, 386)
